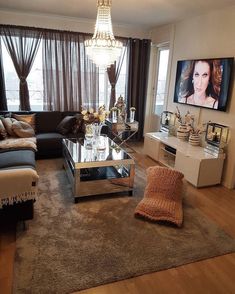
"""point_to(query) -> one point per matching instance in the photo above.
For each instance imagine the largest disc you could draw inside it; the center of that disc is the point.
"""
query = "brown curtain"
(70, 80)
(22, 45)
(3, 99)
(113, 73)
(137, 78)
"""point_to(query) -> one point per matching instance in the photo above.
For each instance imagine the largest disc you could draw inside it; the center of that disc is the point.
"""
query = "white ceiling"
(145, 13)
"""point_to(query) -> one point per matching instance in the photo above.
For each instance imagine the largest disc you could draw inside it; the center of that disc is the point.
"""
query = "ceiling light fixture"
(102, 48)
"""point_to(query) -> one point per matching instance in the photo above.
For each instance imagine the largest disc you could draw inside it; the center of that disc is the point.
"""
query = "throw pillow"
(3, 132)
(7, 122)
(28, 118)
(22, 129)
(66, 125)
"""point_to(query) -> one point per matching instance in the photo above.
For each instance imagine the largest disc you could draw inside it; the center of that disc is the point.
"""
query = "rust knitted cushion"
(163, 196)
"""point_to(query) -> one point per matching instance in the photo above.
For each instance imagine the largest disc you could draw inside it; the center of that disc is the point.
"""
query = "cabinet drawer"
(151, 147)
(188, 166)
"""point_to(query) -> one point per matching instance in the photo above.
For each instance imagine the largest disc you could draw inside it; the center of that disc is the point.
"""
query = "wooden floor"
(214, 275)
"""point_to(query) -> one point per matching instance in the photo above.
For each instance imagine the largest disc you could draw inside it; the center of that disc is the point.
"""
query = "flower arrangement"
(187, 119)
(99, 116)
(198, 129)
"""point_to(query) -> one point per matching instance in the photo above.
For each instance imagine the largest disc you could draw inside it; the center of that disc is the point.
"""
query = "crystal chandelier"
(103, 49)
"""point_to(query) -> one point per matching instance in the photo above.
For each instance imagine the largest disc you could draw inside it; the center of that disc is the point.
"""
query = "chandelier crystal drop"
(103, 49)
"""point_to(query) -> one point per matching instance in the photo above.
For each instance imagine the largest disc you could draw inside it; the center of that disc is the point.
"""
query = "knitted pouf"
(163, 196)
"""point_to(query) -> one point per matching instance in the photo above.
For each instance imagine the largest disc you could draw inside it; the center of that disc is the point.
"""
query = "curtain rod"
(52, 30)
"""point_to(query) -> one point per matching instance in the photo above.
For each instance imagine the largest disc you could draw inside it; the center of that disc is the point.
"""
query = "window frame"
(157, 51)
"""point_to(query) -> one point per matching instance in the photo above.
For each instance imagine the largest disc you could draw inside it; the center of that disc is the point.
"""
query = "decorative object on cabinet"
(183, 132)
(216, 137)
(195, 132)
(185, 124)
(194, 139)
(167, 121)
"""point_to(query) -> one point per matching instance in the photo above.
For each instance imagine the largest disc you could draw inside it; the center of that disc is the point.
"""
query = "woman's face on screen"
(201, 76)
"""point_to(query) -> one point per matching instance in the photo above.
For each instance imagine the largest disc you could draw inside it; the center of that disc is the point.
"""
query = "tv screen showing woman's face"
(204, 82)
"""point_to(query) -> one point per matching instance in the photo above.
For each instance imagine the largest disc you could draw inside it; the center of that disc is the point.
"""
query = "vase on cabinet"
(194, 139)
(183, 132)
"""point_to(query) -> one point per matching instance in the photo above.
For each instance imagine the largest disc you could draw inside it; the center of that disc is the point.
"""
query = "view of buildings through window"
(163, 57)
(35, 83)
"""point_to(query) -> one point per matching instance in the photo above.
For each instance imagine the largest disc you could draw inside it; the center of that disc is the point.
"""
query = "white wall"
(65, 23)
(208, 36)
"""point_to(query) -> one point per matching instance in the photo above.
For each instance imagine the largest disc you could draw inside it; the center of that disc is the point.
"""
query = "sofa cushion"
(47, 121)
(28, 118)
(17, 158)
(22, 129)
(66, 125)
(49, 141)
(3, 132)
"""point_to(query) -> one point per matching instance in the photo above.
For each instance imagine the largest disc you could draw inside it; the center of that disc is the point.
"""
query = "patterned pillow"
(3, 132)
(28, 118)
(7, 122)
(22, 129)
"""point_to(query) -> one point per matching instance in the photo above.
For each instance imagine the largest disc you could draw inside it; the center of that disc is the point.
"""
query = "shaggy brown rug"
(70, 247)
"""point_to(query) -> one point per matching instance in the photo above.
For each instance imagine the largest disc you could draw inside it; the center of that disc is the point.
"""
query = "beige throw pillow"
(28, 118)
(22, 129)
(7, 122)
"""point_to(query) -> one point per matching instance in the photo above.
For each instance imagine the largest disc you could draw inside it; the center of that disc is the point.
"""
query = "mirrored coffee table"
(96, 172)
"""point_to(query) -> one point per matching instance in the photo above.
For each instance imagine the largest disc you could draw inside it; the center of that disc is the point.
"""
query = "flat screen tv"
(204, 82)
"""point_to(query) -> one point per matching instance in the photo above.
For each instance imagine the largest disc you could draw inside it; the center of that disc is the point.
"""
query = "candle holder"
(216, 137)
(132, 114)
(167, 121)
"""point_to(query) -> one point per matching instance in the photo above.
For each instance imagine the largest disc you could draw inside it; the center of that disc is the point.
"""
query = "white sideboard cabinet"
(199, 167)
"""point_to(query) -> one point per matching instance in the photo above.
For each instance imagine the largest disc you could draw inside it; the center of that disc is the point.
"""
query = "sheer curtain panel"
(70, 80)
(22, 45)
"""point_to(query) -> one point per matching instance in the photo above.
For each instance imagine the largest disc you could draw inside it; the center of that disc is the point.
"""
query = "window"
(34, 80)
(162, 66)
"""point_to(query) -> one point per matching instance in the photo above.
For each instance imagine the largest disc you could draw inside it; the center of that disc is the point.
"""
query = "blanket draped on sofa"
(13, 143)
(22, 180)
